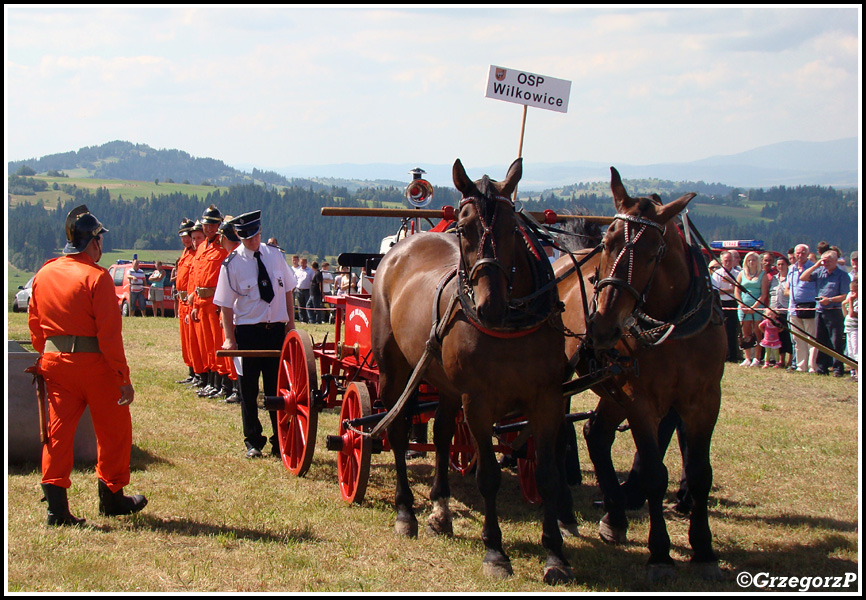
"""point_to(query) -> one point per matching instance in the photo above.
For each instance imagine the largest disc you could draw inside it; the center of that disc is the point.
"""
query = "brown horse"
(499, 348)
(652, 303)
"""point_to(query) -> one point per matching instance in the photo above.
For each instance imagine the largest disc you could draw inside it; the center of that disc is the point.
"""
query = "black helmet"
(81, 227)
(211, 215)
(227, 230)
(185, 227)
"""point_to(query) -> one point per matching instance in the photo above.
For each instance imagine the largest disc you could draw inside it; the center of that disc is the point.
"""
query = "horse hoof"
(610, 534)
(406, 528)
(568, 529)
(497, 570)
(440, 527)
(708, 571)
(556, 575)
(660, 572)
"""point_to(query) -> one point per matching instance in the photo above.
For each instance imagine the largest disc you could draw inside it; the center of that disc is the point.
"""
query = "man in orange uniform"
(231, 390)
(76, 328)
(181, 283)
(208, 258)
(199, 361)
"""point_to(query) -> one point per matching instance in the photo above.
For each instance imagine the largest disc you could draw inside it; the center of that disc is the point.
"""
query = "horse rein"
(628, 249)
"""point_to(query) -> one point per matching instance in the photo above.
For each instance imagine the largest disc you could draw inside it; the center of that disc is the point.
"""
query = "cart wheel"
(353, 461)
(296, 423)
(462, 457)
(526, 474)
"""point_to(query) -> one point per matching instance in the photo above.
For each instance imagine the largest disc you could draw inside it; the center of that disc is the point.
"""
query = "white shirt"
(238, 286)
(723, 283)
(327, 282)
(304, 277)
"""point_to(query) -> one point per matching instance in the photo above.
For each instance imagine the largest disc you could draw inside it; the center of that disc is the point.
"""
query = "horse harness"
(694, 313)
(523, 315)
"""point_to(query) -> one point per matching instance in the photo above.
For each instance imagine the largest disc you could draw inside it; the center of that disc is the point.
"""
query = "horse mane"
(579, 233)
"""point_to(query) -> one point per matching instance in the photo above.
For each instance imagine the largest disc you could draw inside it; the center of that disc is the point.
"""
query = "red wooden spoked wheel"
(297, 422)
(462, 456)
(526, 474)
(353, 461)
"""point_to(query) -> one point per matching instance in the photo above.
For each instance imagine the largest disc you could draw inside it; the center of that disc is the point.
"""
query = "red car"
(119, 272)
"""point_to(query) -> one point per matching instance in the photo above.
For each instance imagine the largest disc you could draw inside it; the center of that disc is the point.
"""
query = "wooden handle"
(340, 211)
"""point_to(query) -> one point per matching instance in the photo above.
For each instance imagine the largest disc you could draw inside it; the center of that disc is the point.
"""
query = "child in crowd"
(771, 341)
(851, 306)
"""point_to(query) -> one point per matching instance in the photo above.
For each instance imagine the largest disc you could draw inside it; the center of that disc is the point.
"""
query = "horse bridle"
(486, 235)
(628, 248)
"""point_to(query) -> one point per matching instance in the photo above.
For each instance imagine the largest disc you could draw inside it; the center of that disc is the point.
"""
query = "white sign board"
(530, 89)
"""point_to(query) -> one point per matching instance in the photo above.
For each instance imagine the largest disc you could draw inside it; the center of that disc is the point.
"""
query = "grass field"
(784, 502)
(115, 187)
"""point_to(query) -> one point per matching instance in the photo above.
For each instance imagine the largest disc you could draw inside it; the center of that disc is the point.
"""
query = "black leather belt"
(266, 325)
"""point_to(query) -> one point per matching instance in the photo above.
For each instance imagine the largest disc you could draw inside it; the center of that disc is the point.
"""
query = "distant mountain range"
(835, 163)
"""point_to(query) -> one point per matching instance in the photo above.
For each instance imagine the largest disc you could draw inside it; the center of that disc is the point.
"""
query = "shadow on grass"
(140, 460)
(192, 528)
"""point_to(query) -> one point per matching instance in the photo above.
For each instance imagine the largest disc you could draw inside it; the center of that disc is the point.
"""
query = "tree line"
(805, 214)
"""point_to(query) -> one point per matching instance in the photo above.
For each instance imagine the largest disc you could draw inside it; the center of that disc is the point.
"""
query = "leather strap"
(71, 343)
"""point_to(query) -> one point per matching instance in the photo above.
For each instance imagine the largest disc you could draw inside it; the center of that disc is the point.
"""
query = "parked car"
(743, 247)
(22, 298)
(119, 272)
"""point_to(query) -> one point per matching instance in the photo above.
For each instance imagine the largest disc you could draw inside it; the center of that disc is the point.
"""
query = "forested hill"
(292, 215)
(140, 162)
(790, 215)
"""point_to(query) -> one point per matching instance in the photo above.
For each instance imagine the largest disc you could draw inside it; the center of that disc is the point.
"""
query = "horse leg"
(390, 389)
(488, 477)
(550, 480)
(654, 480)
(439, 521)
(599, 433)
(398, 437)
(566, 441)
(699, 475)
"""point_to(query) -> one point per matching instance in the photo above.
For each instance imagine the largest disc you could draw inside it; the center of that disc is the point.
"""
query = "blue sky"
(275, 87)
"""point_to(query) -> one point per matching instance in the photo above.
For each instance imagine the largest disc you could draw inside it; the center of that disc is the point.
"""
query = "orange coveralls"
(72, 295)
(208, 259)
(184, 264)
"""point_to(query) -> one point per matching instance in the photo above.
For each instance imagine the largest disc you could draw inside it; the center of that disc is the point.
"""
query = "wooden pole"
(341, 211)
(520, 147)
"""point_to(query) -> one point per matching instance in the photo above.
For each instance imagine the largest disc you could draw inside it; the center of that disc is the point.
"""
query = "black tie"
(266, 291)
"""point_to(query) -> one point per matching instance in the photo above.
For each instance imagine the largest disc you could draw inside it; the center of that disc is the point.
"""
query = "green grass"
(784, 501)
(115, 187)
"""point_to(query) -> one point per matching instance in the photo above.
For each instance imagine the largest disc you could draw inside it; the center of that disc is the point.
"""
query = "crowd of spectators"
(775, 307)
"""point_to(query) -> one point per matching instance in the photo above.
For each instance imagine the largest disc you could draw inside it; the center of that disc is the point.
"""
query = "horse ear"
(672, 209)
(462, 182)
(621, 199)
(515, 172)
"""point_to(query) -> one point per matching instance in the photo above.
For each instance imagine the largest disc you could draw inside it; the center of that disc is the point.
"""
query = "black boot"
(235, 396)
(226, 389)
(208, 387)
(113, 504)
(418, 435)
(217, 385)
(58, 506)
(189, 379)
(199, 381)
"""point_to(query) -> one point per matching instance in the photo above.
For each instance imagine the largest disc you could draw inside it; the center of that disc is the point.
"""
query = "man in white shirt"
(255, 292)
(137, 298)
(723, 280)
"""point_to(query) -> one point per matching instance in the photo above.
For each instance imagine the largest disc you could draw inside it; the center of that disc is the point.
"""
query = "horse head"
(486, 226)
(632, 251)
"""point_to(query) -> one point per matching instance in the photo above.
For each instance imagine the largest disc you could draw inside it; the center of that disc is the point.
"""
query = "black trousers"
(732, 329)
(831, 333)
(258, 337)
